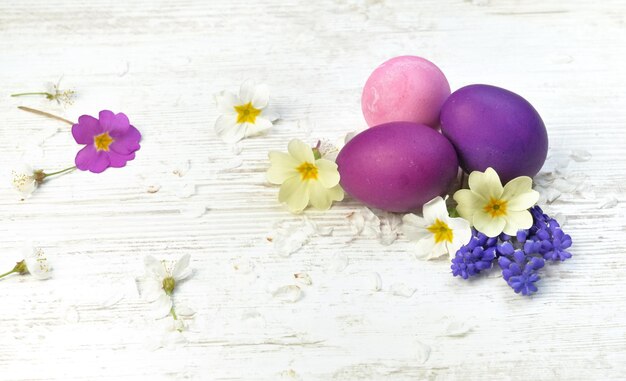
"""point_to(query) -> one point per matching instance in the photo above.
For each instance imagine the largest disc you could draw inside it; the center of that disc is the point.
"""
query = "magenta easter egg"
(397, 166)
(406, 88)
(493, 127)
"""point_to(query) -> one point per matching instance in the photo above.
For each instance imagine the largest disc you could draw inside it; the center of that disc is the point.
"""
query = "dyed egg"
(406, 88)
(397, 166)
(493, 127)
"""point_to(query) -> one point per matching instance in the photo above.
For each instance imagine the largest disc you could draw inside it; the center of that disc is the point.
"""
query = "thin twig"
(43, 113)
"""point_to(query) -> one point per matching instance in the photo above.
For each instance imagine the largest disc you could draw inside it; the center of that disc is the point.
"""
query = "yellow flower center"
(247, 113)
(496, 207)
(441, 230)
(103, 141)
(307, 171)
(168, 285)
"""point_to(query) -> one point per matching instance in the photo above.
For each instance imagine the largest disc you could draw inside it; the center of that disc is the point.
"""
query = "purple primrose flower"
(110, 141)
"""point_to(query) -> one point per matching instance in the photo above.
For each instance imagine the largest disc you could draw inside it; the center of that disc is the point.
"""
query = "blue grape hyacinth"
(520, 258)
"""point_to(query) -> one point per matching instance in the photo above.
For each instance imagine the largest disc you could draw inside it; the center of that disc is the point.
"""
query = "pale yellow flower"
(492, 208)
(303, 178)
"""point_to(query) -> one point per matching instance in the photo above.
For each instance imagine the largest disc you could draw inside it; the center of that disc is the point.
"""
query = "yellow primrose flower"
(304, 178)
(436, 233)
(492, 208)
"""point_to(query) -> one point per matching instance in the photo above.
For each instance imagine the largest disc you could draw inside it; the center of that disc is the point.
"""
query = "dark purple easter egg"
(397, 166)
(493, 127)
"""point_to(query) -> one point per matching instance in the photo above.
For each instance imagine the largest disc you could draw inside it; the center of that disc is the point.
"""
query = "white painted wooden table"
(161, 62)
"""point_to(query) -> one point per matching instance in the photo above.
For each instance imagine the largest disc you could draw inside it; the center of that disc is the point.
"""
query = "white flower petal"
(327, 173)
(461, 234)
(295, 193)
(435, 209)
(151, 289)
(39, 268)
(282, 167)
(181, 269)
(490, 226)
(301, 151)
(516, 220)
(162, 306)
(184, 310)
(227, 128)
(246, 91)
(414, 227)
(261, 97)
(259, 126)
(468, 203)
(23, 180)
(154, 268)
(36, 262)
(427, 248)
(487, 184)
(226, 102)
(270, 114)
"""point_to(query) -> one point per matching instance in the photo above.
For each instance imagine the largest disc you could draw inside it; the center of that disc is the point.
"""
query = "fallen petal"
(290, 293)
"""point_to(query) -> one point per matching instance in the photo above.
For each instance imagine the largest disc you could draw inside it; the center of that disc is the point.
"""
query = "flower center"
(495, 207)
(247, 113)
(307, 171)
(168, 285)
(441, 231)
(103, 141)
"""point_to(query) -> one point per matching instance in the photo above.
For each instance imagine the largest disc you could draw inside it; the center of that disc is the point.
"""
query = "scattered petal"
(184, 310)
(377, 282)
(290, 293)
(243, 266)
(290, 238)
(402, 289)
(303, 278)
(153, 188)
(422, 352)
(181, 168)
(338, 262)
(112, 300)
(608, 203)
(230, 164)
(457, 328)
(193, 211)
(186, 190)
(580, 155)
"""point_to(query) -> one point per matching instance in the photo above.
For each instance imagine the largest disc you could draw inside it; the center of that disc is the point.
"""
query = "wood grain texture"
(161, 62)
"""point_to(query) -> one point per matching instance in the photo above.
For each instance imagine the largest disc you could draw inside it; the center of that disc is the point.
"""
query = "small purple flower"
(520, 257)
(469, 262)
(557, 249)
(524, 283)
(110, 141)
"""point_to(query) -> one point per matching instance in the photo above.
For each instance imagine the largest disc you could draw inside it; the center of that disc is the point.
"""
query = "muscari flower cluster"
(519, 257)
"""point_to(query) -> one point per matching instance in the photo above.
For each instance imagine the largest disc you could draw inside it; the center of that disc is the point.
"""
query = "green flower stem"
(40, 93)
(59, 172)
(173, 313)
(46, 114)
(8, 273)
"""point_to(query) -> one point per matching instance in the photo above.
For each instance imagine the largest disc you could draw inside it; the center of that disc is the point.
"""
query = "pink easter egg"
(407, 89)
